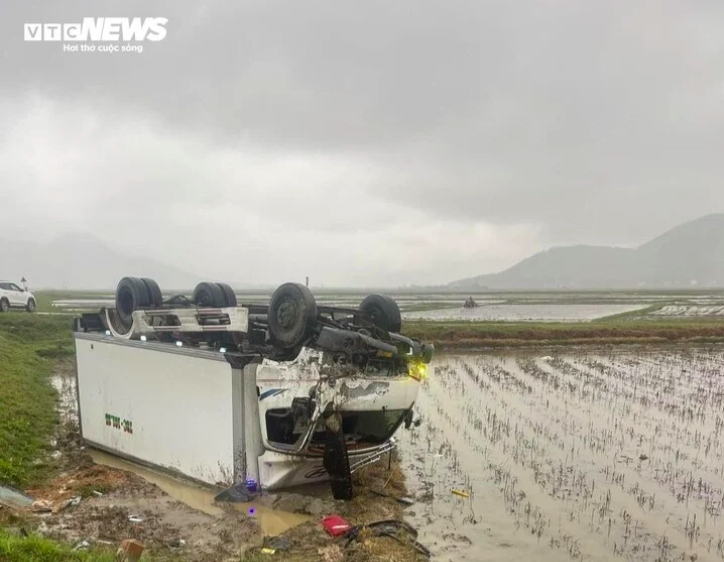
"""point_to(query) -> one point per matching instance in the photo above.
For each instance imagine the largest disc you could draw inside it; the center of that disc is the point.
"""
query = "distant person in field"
(25, 283)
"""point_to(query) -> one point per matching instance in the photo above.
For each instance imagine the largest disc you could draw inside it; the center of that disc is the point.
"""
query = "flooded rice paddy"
(580, 455)
(443, 307)
(524, 312)
(570, 306)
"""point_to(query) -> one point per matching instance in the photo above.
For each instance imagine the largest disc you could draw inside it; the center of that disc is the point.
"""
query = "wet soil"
(596, 455)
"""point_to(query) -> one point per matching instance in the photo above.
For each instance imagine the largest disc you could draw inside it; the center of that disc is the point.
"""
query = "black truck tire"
(209, 295)
(131, 294)
(229, 294)
(155, 298)
(292, 315)
(285, 354)
(383, 311)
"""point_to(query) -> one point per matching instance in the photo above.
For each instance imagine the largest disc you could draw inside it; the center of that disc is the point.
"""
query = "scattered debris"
(66, 503)
(643, 457)
(403, 501)
(83, 545)
(335, 525)
(135, 519)
(130, 550)
(268, 551)
(237, 493)
(389, 528)
(277, 543)
(177, 543)
(461, 493)
(42, 506)
(14, 498)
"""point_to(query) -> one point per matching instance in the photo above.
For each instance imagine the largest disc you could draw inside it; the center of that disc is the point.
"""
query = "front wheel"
(292, 315)
(4, 305)
(383, 311)
(30, 306)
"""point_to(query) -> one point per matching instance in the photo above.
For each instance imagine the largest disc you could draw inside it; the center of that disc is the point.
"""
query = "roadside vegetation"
(621, 329)
(30, 344)
(37, 549)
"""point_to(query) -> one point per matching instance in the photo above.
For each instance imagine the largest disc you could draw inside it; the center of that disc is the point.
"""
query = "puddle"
(272, 522)
(64, 383)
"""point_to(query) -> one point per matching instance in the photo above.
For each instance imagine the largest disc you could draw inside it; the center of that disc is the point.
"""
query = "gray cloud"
(323, 129)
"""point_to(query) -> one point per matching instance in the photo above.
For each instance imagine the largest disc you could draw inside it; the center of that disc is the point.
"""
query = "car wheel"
(4, 305)
(383, 311)
(131, 294)
(209, 295)
(292, 315)
(30, 306)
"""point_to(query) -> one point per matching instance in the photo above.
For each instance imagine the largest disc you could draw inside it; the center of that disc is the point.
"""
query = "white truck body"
(199, 414)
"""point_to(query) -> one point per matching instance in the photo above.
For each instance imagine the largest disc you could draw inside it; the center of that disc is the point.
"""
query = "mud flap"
(336, 459)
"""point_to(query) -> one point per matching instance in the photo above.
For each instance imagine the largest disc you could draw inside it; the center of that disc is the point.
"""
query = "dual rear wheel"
(291, 316)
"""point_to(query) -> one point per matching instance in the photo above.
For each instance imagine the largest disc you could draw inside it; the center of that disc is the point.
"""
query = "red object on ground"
(335, 525)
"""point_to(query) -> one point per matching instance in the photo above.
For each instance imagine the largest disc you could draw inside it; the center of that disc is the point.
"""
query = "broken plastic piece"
(13, 497)
(83, 545)
(239, 492)
(335, 525)
(130, 550)
(277, 543)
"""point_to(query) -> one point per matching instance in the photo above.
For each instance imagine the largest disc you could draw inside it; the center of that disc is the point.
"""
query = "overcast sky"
(367, 142)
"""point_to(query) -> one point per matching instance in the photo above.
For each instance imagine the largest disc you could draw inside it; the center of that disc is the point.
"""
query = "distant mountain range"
(688, 256)
(81, 261)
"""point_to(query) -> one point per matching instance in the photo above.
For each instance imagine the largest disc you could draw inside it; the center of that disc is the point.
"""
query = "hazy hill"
(691, 254)
(81, 261)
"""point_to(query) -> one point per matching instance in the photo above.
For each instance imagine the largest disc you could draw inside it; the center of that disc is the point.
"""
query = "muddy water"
(272, 522)
(583, 456)
(526, 312)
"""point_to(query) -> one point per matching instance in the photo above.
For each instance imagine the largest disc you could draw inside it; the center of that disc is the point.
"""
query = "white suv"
(12, 296)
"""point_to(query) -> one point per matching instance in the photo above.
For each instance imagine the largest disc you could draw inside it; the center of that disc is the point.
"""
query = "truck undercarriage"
(359, 356)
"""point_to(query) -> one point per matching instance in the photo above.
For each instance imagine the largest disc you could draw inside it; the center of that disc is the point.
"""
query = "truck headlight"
(417, 371)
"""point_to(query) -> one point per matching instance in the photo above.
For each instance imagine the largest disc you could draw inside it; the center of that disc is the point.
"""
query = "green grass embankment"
(462, 335)
(37, 549)
(29, 345)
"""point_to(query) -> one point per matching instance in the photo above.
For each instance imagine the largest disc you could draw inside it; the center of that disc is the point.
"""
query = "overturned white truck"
(224, 393)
